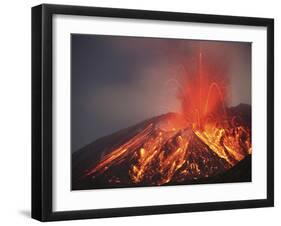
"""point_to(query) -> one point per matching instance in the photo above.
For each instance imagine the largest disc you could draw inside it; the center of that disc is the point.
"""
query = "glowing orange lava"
(200, 142)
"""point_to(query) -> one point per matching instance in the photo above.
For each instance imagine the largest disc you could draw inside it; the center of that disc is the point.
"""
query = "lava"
(202, 141)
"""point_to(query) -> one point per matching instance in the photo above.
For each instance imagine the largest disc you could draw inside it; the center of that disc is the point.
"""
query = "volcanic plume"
(206, 142)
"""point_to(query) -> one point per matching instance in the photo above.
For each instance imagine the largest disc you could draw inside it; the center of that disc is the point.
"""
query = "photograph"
(141, 112)
(149, 111)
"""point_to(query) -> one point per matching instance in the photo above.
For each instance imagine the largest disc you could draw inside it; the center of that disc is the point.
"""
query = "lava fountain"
(206, 139)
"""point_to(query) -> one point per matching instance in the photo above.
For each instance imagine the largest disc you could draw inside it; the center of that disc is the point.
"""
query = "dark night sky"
(120, 81)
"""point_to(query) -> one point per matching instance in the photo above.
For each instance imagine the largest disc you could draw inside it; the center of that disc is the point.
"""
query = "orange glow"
(199, 142)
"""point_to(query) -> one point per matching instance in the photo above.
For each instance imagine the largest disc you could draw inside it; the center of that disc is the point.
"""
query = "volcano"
(168, 150)
(206, 141)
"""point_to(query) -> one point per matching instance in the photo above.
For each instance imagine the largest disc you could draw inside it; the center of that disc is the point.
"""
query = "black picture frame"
(42, 111)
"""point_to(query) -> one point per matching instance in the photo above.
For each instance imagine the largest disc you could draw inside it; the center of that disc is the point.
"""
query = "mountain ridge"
(95, 152)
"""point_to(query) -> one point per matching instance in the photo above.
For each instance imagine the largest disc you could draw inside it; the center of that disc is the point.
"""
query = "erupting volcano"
(206, 142)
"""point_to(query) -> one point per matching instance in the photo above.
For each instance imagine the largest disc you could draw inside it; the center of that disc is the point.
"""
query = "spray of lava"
(202, 141)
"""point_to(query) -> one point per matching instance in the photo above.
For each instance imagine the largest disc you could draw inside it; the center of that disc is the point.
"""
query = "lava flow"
(205, 140)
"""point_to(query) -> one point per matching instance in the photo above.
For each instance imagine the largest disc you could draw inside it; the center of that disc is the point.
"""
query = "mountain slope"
(165, 150)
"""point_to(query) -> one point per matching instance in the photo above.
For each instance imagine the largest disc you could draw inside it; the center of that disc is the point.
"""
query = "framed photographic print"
(146, 112)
